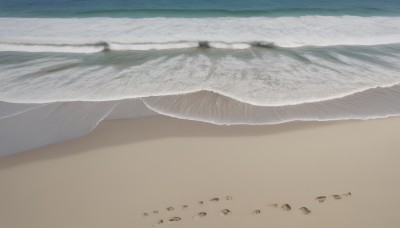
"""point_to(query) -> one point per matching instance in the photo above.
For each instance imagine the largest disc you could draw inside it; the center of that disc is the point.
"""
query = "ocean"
(195, 8)
(67, 65)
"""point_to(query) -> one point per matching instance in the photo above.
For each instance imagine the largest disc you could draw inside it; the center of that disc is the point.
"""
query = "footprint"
(159, 223)
(273, 205)
(201, 202)
(229, 198)
(170, 208)
(200, 215)
(174, 219)
(225, 212)
(184, 207)
(214, 200)
(347, 194)
(320, 199)
(155, 212)
(286, 207)
(256, 212)
(336, 197)
(304, 211)
(145, 214)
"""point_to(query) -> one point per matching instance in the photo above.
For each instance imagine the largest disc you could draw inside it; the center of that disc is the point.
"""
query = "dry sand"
(124, 168)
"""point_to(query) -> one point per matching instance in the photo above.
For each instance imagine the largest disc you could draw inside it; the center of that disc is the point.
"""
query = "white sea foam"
(150, 46)
(224, 45)
(66, 95)
(99, 47)
(37, 34)
(250, 87)
(221, 110)
(264, 78)
(50, 48)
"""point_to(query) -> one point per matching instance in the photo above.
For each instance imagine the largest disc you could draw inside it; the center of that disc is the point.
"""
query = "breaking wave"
(54, 120)
(88, 35)
(275, 77)
(223, 71)
(104, 47)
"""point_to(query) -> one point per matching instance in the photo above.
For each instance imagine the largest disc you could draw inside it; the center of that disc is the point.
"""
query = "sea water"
(66, 65)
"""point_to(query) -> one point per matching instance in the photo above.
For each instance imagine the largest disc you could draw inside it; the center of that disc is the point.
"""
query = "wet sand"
(159, 171)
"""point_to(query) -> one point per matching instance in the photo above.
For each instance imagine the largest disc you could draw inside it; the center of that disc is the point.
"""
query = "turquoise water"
(194, 8)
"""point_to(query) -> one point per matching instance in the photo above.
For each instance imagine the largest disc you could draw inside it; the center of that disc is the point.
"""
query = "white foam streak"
(223, 45)
(264, 78)
(151, 46)
(222, 110)
(162, 33)
(49, 48)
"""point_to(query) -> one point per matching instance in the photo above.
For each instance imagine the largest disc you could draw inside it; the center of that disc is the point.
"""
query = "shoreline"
(63, 121)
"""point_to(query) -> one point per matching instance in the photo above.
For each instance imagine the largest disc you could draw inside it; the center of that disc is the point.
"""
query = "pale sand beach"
(125, 168)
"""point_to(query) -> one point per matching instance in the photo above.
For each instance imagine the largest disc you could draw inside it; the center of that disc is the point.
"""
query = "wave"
(104, 47)
(273, 77)
(62, 121)
(224, 71)
(215, 108)
(85, 34)
(51, 48)
(204, 12)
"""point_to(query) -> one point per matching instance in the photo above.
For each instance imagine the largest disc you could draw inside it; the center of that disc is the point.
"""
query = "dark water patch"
(194, 8)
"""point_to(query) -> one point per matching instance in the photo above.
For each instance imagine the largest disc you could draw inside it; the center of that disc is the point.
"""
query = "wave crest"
(62, 121)
(104, 46)
(215, 108)
(153, 33)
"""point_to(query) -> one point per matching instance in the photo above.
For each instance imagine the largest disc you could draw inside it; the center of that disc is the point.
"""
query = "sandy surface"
(124, 168)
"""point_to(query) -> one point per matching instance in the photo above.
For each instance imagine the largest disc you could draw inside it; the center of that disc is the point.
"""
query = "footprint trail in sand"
(214, 201)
